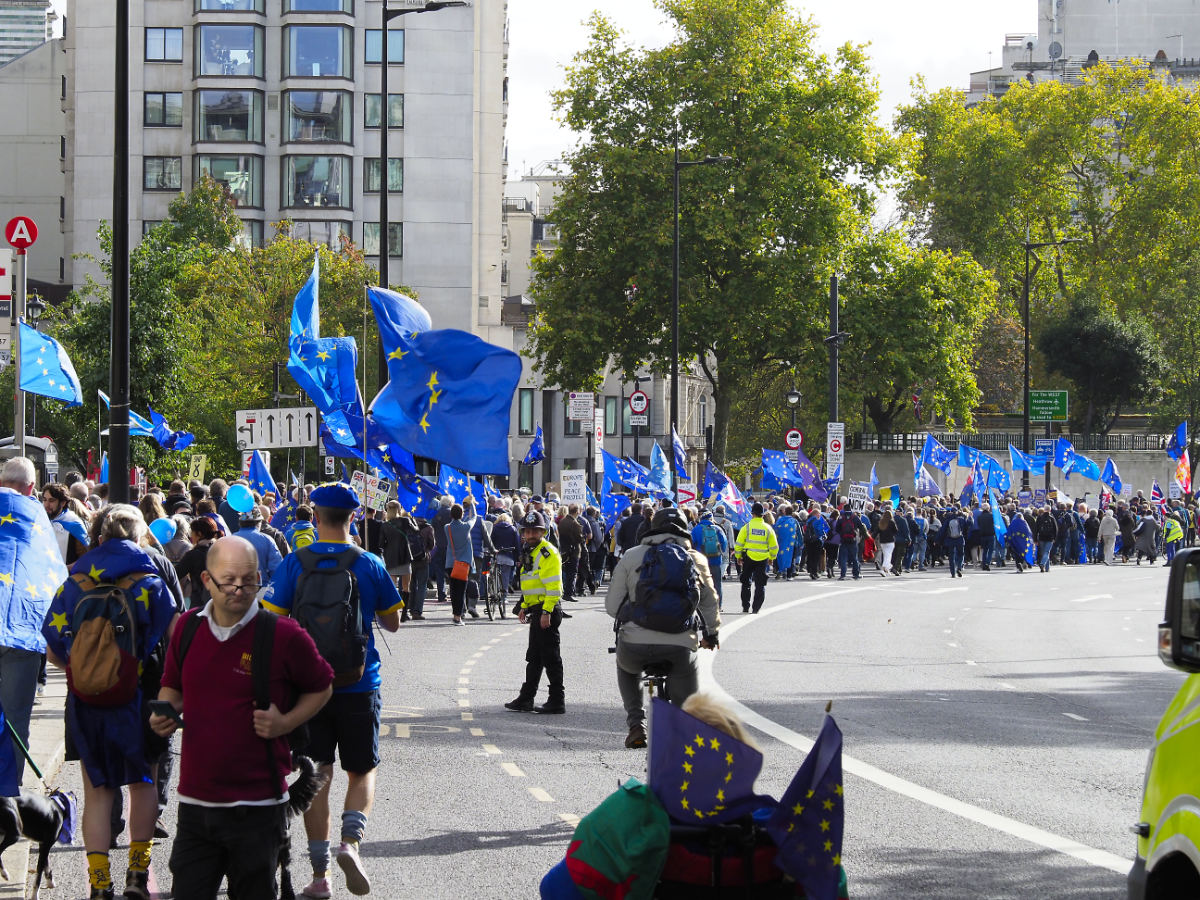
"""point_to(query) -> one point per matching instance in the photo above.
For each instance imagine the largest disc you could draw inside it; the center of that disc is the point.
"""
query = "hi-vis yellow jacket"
(757, 540)
(541, 577)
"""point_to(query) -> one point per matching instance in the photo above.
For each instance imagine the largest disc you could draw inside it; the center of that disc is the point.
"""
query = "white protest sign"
(858, 494)
(574, 486)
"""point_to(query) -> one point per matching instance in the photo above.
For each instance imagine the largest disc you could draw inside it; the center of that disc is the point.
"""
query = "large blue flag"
(784, 472)
(626, 472)
(1023, 462)
(1111, 477)
(285, 515)
(923, 482)
(974, 486)
(31, 571)
(997, 516)
(168, 439)
(138, 426)
(45, 368)
(698, 772)
(808, 823)
(260, 476)
(1082, 465)
(831, 483)
(714, 480)
(1064, 452)
(1020, 538)
(537, 449)
(612, 505)
(814, 487)
(936, 454)
(453, 483)
(680, 455)
(450, 394)
(306, 311)
(660, 468)
(1178, 442)
(325, 369)
(417, 495)
(874, 482)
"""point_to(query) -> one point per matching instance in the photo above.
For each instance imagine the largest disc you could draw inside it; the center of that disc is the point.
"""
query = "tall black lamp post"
(35, 308)
(409, 6)
(679, 165)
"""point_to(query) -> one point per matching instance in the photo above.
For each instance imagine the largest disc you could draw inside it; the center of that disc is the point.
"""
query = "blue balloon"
(240, 498)
(163, 530)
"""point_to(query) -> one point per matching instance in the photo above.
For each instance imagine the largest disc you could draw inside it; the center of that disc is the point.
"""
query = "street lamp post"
(793, 401)
(680, 164)
(35, 307)
(413, 6)
(118, 421)
(1029, 249)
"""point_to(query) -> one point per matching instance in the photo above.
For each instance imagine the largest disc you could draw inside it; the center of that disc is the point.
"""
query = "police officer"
(541, 591)
(756, 546)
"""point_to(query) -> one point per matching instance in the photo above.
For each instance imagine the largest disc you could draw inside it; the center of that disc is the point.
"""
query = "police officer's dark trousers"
(544, 652)
(754, 570)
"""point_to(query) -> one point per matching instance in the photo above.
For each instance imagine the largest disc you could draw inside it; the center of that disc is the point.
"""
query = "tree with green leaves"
(759, 236)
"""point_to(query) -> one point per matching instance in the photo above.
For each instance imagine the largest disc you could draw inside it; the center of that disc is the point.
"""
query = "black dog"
(301, 794)
(41, 819)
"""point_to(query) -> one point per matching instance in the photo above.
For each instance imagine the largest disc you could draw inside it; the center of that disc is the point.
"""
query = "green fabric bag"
(619, 849)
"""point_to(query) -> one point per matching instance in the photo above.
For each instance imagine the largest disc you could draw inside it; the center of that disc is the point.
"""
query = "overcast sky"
(942, 40)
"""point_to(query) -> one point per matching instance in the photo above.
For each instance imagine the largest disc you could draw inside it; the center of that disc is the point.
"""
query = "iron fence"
(905, 442)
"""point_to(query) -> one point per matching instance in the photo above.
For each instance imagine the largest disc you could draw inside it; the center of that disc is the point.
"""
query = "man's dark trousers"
(754, 570)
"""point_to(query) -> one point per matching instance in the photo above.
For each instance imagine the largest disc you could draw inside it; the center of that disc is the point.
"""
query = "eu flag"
(967, 456)
(1175, 446)
(31, 570)
(660, 469)
(1023, 462)
(417, 495)
(325, 368)
(1081, 465)
(714, 480)
(450, 394)
(1020, 538)
(285, 515)
(306, 310)
(937, 454)
(260, 476)
(1064, 451)
(46, 369)
(680, 455)
(453, 483)
(612, 505)
(807, 824)
(831, 483)
(138, 426)
(997, 516)
(537, 449)
(874, 480)
(700, 773)
(168, 439)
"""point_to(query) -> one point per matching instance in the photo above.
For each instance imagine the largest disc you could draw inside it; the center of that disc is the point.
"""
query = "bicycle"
(494, 600)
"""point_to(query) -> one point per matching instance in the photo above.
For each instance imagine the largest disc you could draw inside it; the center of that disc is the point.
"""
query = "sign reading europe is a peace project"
(574, 485)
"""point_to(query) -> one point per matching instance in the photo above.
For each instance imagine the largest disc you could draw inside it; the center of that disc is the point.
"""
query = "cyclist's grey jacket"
(624, 583)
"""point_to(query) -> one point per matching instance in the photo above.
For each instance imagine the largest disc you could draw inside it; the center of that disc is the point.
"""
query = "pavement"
(46, 748)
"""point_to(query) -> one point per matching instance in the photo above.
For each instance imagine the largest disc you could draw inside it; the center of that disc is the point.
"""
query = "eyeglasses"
(231, 588)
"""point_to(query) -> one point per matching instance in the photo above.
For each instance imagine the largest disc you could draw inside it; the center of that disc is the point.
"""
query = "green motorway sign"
(1048, 406)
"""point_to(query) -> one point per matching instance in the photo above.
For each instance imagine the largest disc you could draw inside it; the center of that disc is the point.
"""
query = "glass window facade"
(225, 115)
(230, 5)
(395, 111)
(346, 6)
(229, 50)
(611, 414)
(162, 110)
(324, 232)
(318, 51)
(164, 45)
(525, 411)
(240, 173)
(252, 234)
(316, 181)
(374, 48)
(371, 175)
(162, 173)
(317, 116)
(370, 244)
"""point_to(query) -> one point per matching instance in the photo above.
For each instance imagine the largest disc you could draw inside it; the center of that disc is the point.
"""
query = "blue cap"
(335, 496)
(537, 498)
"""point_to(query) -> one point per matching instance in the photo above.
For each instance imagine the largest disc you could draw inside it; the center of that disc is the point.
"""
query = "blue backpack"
(667, 594)
(712, 543)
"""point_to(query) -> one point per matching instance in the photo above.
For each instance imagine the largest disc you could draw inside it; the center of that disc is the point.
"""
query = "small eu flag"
(714, 479)
(937, 454)
(537, 449)
(45, 368)
(808, 823)
(1178, 442)
(453, 483)
(260, 476)
(700, 773)
(680, 455)
(31, 569)
(168, 439)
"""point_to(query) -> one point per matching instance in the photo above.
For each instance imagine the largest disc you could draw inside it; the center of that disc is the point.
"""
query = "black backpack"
(667, 595)
(416, 546)
(327, 605)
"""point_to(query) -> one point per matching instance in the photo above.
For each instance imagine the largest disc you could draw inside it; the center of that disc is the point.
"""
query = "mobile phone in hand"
(166, 709)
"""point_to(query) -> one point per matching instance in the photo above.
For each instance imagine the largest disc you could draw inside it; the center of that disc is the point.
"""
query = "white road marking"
(971, 662)
(464, 701)
(569, 818)
(951, 644)
(1092, 597)
(494, 641)
(540, 795)
(491, 749)
(511, 769)
(468, 717)
(947, 631)
(1040, 837)
(476, 732)
(464, 681)
(1008, 687)
(1075, 717)
(478, 655)
(464, 690)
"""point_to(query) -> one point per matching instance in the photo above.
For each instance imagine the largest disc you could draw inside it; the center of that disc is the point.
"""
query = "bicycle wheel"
(488, 600)
(494, 587)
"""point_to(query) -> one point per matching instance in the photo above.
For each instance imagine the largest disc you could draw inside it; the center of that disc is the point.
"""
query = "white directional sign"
(835, 446)
(636, 419)
(260, 429)
(581, 405)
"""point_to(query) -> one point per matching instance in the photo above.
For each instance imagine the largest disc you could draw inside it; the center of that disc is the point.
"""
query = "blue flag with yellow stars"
(937, 454)
(537, 449)
(260, 476)
(612, 505)
(660, 469)
(680, 455)
(417, 495)
(1178, 442)
(46, 369)
(450, 394)
(700, 773)
(285, 515)
(325, 369)
(1020, 538)
(31, 570)
(1111, 477)
(138, 426)
(714, 480)
(808, 823)
(453, 483)
(168, 439)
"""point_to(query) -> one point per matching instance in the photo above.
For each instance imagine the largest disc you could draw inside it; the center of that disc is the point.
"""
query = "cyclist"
(638, 645)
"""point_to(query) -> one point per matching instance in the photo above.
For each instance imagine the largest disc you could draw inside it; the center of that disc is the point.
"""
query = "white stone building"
(24, 24)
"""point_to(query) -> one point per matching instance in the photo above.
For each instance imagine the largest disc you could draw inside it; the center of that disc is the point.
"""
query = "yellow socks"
(99, 875)
(139, 855)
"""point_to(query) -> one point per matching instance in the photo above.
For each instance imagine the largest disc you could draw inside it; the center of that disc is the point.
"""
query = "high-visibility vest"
(541, 577)
(1173, 531)
(757, 540)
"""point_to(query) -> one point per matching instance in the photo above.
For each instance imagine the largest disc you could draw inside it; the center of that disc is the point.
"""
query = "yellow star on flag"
(433, 396)
(837, 789)
(824, 824)
(95, 574)
(798, 809)
(432, 382)
(828, 804)
(687, 767)
(323, 355)
(837, 859)
(5, 519)
(398, 354)
(714, 743)
(59, 621)
(144, 597)
(683, 787)
(6, 578)
(424, 423)
(828, 846)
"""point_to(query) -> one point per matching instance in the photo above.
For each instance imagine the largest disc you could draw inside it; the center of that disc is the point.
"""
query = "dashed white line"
(971, 662)
(570, 818)
(491, 749)
(464, 690)
(1075, 717)
(464, 681)
(476, 732)
(468, 717)
(464, 701)
(1008, 687)
(540, 795)
(512, 769)
(951, 644)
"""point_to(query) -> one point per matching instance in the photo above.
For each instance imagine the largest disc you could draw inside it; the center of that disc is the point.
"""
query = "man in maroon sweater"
(231, 796)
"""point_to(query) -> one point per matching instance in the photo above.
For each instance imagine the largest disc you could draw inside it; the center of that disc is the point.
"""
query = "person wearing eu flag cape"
(107, 733)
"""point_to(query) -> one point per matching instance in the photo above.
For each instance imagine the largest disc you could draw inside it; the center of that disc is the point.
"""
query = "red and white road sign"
(21, 232)
(835, 445)
(639, 402)
(686, 494)
(793, 438)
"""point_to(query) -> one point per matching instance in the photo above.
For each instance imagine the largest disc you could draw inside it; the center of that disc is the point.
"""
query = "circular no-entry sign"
(20, 232)
(639, 402)
(793, 438)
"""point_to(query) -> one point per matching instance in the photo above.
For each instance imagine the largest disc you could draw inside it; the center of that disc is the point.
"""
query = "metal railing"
(999, 441)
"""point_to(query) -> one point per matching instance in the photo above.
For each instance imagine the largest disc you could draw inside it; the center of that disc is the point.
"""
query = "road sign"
(574, 486)
(1047, 406)
(21, 232)
(196, 467)
(635, 419)
(792, 455)
(247, 455)
(1043, 447)
(598, 430)
(793, 438)
(581, 405)
(259, 429)
(686, 493)
(639, 402)
(1024, 498)
(835, 446)
(329, 464)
